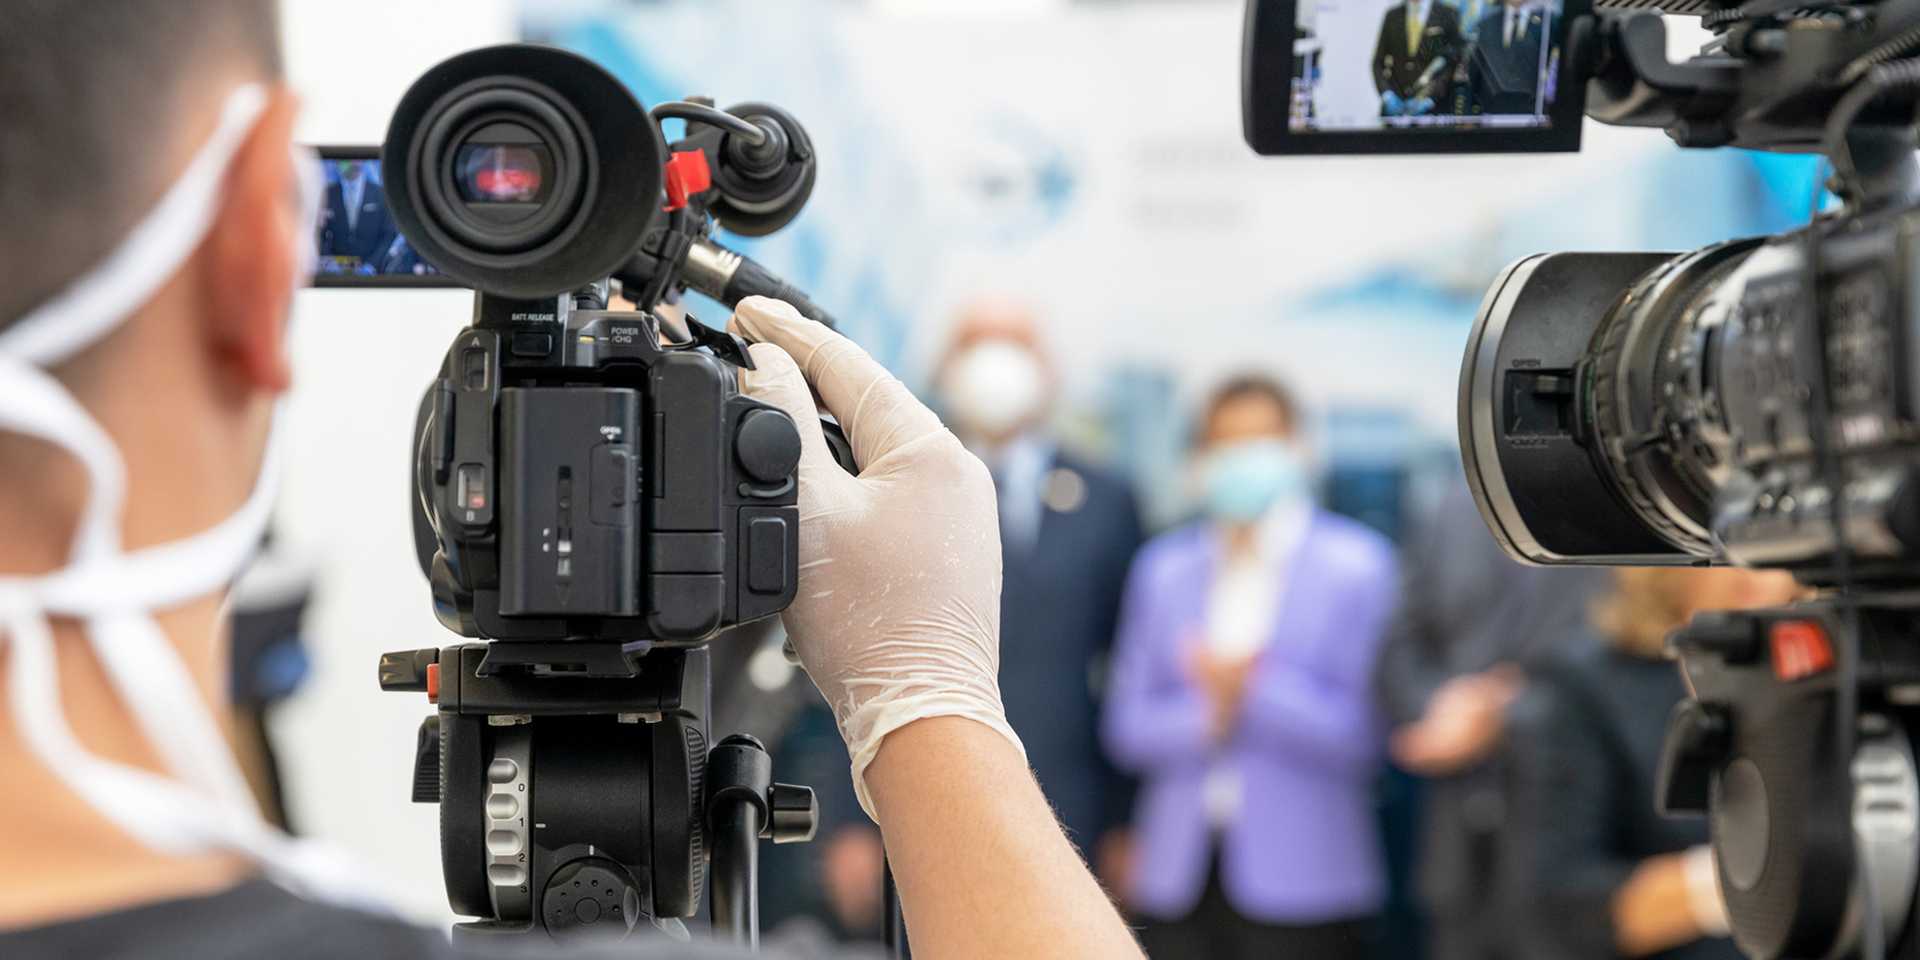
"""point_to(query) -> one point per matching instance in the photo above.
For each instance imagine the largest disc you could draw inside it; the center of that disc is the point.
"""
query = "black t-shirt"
(259, 920)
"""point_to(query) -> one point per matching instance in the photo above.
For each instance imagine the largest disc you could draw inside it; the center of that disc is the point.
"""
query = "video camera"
(593, 496)
(1753, 403)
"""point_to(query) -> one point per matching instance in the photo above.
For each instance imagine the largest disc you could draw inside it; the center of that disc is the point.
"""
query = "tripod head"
(582, 805)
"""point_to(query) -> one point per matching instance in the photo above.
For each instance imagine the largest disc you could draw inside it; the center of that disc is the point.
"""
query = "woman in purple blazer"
(1240, 697)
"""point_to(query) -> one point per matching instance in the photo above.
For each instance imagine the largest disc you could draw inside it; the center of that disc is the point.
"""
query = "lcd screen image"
(1361, 65)
(356, 236)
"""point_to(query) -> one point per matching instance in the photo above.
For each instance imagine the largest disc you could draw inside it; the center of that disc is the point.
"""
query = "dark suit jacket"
(1583, 745)
(370, 234)
(1059, 602)
(1505, 78)
(1466, 606)
(1394, 71)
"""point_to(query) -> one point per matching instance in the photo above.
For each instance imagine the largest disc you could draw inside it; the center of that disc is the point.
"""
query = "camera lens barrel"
(1593, 423)
(1524, 437)
(522, 171)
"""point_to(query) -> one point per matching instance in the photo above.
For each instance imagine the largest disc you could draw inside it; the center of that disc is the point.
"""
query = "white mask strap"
(152, 253)
(116, 593)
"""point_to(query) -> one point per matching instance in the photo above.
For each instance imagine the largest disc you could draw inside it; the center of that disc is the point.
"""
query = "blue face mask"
(1244, 480)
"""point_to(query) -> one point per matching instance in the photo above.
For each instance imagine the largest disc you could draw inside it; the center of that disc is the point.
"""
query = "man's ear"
(251, 253)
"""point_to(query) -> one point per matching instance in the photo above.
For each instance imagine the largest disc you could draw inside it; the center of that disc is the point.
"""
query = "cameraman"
(155, 224)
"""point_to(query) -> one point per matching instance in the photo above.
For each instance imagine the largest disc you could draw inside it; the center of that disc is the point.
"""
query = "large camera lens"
(1592, 422)
(522, 171)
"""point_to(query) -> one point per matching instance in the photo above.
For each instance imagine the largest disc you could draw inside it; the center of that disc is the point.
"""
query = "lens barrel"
(1589, 427)
(522, 171)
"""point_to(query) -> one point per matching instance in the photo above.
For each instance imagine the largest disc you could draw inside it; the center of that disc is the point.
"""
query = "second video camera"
(1754, 403)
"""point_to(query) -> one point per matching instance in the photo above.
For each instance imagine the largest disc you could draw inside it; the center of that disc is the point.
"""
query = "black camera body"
(587, 483)
(1756, 402)
(592, 495)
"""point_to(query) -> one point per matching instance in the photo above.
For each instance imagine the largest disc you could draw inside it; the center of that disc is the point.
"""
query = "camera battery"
(569, 495)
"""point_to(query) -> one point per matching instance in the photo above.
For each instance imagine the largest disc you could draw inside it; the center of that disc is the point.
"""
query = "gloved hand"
(1391, 104)
(897, 617)
(1419, 106)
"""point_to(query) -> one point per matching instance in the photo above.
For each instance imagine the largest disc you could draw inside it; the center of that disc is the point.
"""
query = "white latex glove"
(897, 617)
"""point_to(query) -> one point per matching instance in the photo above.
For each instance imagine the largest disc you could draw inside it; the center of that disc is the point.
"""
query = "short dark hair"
(88, 92)
(1245, 386)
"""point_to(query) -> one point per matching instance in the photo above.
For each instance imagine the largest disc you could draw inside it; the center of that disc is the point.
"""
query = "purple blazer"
(1304, 848)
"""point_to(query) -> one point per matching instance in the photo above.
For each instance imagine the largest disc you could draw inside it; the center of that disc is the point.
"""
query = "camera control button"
(503, 806)
(767, 445)
(503, 843)
(503, 770)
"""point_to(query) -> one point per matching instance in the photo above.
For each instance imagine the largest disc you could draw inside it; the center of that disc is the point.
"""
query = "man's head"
(993, 379)
(105, 105)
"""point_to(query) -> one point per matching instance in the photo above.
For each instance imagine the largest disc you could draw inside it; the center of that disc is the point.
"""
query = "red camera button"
(1800, 649)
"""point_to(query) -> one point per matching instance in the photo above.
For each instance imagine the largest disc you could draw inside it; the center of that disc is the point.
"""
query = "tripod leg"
(736, 873)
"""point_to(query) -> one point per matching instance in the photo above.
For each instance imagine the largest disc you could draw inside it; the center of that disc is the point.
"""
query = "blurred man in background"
(1068, 530)
(1240, 697)
(1448, 669)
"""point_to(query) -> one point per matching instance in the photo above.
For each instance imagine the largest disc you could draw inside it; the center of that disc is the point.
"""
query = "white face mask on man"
(994, 387)
(205, 805)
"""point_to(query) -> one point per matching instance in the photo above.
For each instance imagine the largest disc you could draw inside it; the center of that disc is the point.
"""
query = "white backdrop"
(361, 362)
(1181, 254)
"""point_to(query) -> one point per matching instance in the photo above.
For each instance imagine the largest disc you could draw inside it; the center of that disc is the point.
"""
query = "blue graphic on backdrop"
(852, 284)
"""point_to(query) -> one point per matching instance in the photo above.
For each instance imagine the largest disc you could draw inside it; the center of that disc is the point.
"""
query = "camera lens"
(522, 171)
(503, 181)
(1592, 405)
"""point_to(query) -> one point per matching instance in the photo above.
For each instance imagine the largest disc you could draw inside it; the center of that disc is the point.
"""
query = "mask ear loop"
(115, 592)
(152, 252)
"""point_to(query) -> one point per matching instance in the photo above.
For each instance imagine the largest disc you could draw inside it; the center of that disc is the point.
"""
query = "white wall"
(362, 360)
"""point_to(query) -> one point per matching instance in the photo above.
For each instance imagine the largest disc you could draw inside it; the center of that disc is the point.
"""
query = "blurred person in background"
(1068, 531)
(1588, 866)
(1240, 698)
(1448, 668)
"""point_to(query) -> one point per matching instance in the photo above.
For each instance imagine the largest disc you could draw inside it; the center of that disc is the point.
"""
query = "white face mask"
(205, 805)
(995, 387)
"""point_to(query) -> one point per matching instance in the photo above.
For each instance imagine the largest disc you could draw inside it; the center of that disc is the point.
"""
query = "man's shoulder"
(253, 919)
(257, 919)
(1105, 485)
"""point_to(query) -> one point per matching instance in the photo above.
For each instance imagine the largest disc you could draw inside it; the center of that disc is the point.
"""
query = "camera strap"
(206, 803)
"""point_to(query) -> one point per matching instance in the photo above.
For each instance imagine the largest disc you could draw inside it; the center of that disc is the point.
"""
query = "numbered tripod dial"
(509, 839)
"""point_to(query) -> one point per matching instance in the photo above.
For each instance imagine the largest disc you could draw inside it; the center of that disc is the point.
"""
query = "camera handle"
(744, 806)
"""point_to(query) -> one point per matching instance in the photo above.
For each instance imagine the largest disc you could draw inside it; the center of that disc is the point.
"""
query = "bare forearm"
(1650, 911)
(983, 867)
